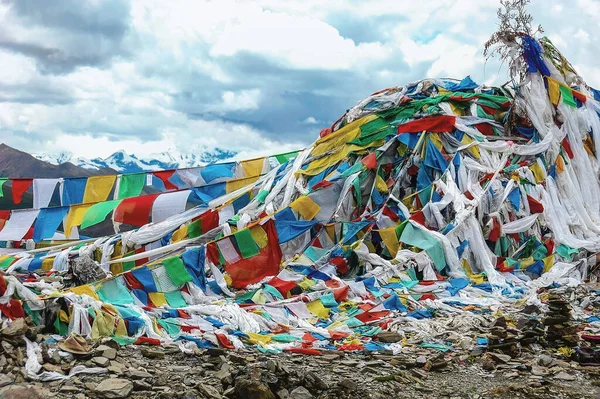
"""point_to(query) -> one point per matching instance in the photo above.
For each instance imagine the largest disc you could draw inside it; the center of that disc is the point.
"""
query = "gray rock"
(348, 384)
(209, 391)
(114, 388)
(101, 361)
(563, 375)
(139, 374)
(251, 388)
(389, 337)
(5, 380)
(500, 357)
(153, 353)
(300, 393)
(545, 361)
(283, 394)
(110, 353)
(22, 392)
(420, 361)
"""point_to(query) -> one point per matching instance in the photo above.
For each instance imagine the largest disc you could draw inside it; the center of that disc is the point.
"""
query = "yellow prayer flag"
(47, 264)
(63, 316)
(306, 207)
(473, 149)
(259, 236)
(306, 284)
(253, 167)
(158, 298)
(236, 184)
(258, 298)
(85, 290)
(538, 172)
(116, 268)
(436, 141)
(560, 164)
(553, 91)
(75, 217)
(548, 263)
(316, 307)
(255, 338)
(179, 234)
(390, 239)
(380, 184)
(525, 263)
(98, 188)
(121, 328)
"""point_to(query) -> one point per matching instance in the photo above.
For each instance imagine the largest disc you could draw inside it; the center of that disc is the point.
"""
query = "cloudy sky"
(95, 76)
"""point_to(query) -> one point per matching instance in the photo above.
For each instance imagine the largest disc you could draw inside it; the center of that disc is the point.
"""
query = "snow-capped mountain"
(126, 163)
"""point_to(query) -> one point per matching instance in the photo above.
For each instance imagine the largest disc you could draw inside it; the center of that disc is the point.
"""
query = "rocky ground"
(165, 372)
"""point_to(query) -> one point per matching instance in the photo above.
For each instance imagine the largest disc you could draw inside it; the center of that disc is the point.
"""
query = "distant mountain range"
(123, 162)
(15, 163)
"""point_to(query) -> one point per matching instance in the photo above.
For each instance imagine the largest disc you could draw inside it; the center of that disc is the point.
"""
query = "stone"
(283, 394)
(251, 388)
(139, 374)
(114, 388)
(151, 353)
(141, 385)
(348, 384)
(312, 380)
(5, 380)
(500, 357)
(16, 328)
(420, 361)
(209, 391)
(545, 361)
(300, 393)
(21, 392)
(110, 353)
(565, 376)
(101, 361)
(538, 371)
(389, 337)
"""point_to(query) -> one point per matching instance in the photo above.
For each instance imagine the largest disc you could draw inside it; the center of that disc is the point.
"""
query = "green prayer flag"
(98, 212)
(195, 229)
(273, 291)
(262, 194)
(282, 158)
(176, 270)
(567, 95)
(4, 264)
(2, 181)
(175, 299)
(246, 244)
(419, 238)
(328, 300)
(170, 325)
(113, 292)
(131, 185)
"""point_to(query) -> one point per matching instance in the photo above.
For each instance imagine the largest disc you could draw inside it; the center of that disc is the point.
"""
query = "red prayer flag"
(19, 186)
(252, 270)
(164, 176)
(135, 211)
(534, 205)
(434, 124)
(370, 161)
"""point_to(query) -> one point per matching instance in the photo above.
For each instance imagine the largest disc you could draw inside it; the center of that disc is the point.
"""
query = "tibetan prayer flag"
(98, 212)
(72, 191)
(164, 176)
(217, 171)
(567, 96)
(158, 298)
(553, 91)
(135, 211)
(390, 240)
(245, 243)
(434, 124)
(306, 207)
(18, 225)
(316, 307)
(131, 185)
(48, 221)
(2, 181)
(195, 229)
(169, 204)
(176, 270)
(253, 167)
(193, 259)
(19, 186)
(418, 237)
(145, 277)
(98, 188)
(252, 270)
(75, 217)
(43, 189)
